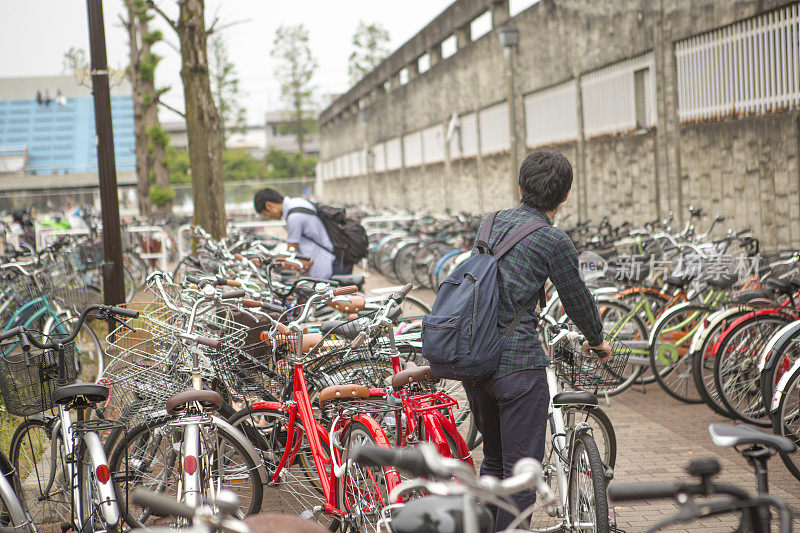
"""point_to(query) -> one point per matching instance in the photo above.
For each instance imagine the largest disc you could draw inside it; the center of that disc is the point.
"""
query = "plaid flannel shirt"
(545, 253)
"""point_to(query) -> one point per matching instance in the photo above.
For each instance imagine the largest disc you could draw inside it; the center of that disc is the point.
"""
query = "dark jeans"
(511, 414)
(341, 269)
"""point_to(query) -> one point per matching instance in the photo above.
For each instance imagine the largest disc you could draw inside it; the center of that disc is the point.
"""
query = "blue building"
(47, 126)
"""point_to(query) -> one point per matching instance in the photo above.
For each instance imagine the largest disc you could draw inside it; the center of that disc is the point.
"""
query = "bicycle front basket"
(586, 372)
(28, 379)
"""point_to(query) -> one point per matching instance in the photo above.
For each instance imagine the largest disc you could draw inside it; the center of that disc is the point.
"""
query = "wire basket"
(28, 379)
(585, 371)
(66, 282)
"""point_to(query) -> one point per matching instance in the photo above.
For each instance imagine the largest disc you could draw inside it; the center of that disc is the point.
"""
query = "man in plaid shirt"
(510, 408)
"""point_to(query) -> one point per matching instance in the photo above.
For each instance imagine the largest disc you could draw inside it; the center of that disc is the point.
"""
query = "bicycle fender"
(392, 477)
(780, 388)
(12, 503)
(749, 316)
(777, 344)
(242, 439)
(108, 500)
(713, 319)
(441, 423)
(667, 314)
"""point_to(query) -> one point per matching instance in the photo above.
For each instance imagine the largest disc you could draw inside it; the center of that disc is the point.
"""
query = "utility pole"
(113, 286)
(509, 37)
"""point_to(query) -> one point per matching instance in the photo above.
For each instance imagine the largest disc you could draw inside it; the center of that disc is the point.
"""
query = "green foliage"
(147, 99)
(147, 67)
(177, 162)
(281, 164)
(294, 68)
(159, 196)
(74, 58)
(370, 47)
(152, 37)
(241, 165)
(157, 135)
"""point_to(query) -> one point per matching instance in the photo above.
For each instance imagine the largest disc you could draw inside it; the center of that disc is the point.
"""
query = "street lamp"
(509, 38)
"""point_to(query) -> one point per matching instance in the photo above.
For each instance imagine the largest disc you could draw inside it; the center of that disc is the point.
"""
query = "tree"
(203, 124)
(370, 47)
(281, 164)
(295, 67)
(152, 175)
(225, 85)
(74, 59)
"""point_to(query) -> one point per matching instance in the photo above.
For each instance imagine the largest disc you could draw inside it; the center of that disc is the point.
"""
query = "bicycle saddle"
(348, 303)
(679, 281)
(574, 397)
(413, 374)
(736, 435)
(341, 392)
(783, 285)
(348, 329)
(209, 400)
(722, 282)
(91, 393)
(351, 279)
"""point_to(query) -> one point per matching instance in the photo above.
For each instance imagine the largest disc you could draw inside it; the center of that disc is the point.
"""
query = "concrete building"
(47, 126)
(659, 104)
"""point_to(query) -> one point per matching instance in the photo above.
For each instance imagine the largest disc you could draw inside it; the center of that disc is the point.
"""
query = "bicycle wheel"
(412, 309)
(363, 490)
(653, 304)
(669, 356)
(602, 429)
(404, 262)
(703, 363)
(31, 453)
(91, 500)
(736, 367)
(89, 354)
(427, 254)
(137, 266)
(622, 323)
(298, 489)
(786, 421)
(587, 498)
(778, 363)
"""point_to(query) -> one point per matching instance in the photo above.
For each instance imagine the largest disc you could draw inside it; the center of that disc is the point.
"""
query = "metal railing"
(751, 66)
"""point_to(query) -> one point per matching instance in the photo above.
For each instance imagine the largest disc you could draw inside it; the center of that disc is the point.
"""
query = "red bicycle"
(307, 464)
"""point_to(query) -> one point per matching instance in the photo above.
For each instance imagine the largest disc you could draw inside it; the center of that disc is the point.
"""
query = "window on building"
(480, 26)
(403, 76)
(551, 115)
(515, 7)
(449, 46)
(424, 63)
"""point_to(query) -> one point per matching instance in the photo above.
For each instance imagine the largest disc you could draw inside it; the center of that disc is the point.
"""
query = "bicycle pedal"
(609, 473)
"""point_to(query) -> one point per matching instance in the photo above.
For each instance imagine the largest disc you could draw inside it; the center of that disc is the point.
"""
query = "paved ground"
(657, 436)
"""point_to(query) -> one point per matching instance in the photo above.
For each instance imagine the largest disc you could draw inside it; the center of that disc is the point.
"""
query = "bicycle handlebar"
(162, 505)
(632, 492)
(408, 459)
(27, 340)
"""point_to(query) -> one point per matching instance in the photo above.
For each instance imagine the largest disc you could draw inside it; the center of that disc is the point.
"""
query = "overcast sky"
(34, 34)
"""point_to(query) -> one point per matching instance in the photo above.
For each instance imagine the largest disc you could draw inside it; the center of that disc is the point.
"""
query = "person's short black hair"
(266, 195)
(545, 178)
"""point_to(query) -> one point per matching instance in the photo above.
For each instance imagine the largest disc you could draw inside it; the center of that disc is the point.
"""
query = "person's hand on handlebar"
(601, 351)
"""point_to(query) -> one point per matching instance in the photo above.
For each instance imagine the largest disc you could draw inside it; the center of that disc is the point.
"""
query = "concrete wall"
(746, 169)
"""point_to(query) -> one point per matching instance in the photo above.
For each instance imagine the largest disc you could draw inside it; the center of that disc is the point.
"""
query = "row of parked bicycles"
(236, 384)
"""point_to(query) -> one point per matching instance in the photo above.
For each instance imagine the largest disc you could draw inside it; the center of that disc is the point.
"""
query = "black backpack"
(349, 238)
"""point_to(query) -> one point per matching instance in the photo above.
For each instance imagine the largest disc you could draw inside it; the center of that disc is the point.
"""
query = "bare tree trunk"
(300, 131)
(202, 121)
(142, 170)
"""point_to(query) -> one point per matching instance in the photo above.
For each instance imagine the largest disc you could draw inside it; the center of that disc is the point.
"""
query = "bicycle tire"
(602, 429)
(777, 365)
(736, 371)
(404, 262)
(671, 368)
(299, 489)
(131, 465)
(426, 254)
(29, 442)
(787, 410)
(703, 366)
(625, 334)
(379, 481)
(138, 266)
(588, 500)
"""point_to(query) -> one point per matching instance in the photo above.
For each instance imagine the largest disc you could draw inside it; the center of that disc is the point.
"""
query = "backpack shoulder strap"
(306, 210)
(485, 232)
(509, 242)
